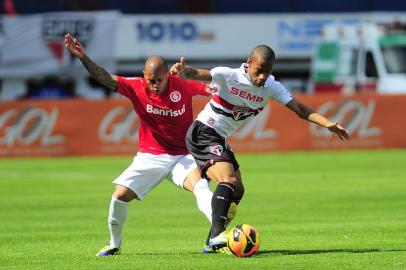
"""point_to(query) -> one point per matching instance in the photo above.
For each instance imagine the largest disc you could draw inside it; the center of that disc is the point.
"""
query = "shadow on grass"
(265, 253)
(321, 251)
(161, 253)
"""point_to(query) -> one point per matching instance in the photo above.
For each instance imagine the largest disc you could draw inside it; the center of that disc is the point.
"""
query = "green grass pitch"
(314, 210)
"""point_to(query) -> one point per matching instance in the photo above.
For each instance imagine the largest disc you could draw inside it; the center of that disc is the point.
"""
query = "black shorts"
(208, 147)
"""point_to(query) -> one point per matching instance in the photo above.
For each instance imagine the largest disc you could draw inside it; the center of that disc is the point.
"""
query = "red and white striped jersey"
(237, 99)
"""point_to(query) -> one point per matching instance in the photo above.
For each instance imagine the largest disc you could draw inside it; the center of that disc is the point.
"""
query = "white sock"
(117, 217)
(203, 196)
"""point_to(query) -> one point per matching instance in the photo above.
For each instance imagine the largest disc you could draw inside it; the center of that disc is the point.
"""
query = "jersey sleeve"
(126, 86)
(220, 74)
(278, 92)
(195, 88)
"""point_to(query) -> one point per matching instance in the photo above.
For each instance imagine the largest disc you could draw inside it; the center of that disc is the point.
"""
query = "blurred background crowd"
(294, 66)
(203, 6)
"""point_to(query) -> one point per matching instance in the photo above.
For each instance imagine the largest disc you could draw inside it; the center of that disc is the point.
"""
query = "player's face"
(258, 70)
(157, 81)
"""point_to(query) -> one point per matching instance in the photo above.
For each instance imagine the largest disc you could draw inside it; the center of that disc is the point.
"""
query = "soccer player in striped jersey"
(242, 94)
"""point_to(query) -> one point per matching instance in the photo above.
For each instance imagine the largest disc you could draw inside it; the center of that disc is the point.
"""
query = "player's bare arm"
(96, 71)
(190, 73)
(99, 73)
(309, 114)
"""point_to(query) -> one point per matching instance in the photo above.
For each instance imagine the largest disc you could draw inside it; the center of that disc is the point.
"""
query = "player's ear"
(248, 61)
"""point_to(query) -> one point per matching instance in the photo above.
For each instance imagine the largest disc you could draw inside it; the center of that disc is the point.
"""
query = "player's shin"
(203, 196)
(232, 211)
(117, 216)
(220, 205)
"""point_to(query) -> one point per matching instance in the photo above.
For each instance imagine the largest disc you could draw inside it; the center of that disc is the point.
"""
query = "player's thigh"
(145, 173)
(209, 148)
(185, 173)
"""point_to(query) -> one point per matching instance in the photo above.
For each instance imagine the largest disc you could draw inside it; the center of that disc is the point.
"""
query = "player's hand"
(339, 130)
(211, 89)
(178, 67)
(74, 46)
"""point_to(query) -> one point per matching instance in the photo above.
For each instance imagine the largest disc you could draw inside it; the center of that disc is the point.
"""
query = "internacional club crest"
(216, 149)
(175, 96)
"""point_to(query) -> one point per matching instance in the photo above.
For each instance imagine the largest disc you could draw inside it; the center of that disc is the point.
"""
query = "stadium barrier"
(110, 127)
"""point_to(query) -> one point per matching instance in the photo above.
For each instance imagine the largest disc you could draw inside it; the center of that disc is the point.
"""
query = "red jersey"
(164, 119)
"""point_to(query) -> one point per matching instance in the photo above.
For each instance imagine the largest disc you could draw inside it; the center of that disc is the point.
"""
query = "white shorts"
(148, 170)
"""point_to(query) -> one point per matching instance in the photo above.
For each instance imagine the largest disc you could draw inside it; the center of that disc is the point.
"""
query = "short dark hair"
(264, 52)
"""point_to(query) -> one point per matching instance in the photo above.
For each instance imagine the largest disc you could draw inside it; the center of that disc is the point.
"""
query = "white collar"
(243, 72)
(243, 67)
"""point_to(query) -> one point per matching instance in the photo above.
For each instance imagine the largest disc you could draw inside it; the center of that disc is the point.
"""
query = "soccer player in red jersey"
(163, 103)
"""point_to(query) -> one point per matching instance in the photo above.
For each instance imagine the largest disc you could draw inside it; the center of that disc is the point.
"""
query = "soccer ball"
(243, 240)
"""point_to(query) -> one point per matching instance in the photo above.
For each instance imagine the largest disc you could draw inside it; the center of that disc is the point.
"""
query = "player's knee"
(232, 180)
(239, 190)
(239, 186)
(193, 180)
(124, 194)
(123, 197)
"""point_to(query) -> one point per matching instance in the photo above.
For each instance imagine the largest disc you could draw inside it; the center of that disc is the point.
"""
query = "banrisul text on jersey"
(164, 119)
(169, 112)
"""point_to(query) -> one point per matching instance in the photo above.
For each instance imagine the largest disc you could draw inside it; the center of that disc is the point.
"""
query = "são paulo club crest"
(175, 96)
(241, 112)
(216, 149)
(54, 27)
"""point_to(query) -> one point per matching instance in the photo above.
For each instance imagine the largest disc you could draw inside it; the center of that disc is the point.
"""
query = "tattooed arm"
(99, 73)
